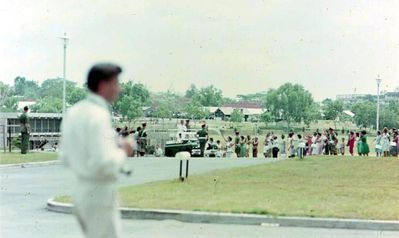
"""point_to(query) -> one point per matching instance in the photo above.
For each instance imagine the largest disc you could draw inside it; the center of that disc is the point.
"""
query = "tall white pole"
(378, 103)
(65, 40)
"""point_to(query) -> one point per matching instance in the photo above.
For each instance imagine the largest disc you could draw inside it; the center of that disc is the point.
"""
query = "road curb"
(30, 164)
(241, 219)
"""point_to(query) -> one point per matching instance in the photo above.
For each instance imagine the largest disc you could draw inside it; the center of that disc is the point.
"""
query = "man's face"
(110, 89)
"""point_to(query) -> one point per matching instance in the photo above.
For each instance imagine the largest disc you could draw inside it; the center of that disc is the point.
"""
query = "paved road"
(24, 191)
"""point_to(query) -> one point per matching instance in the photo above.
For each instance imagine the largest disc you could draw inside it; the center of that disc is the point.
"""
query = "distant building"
(391, 96)
(250, 110)
(44, 126)
(385, 97)
(245, 104)
(22, 104)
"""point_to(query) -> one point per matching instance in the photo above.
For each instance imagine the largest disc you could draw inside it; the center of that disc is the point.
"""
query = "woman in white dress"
(291, 145)
(319, 142)
(267, 146)
(385, 142)
(378, 147)
(230, 146)
(313, 146)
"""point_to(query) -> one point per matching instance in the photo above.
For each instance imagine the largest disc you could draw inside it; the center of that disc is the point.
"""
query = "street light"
(378, 102)
(65, 39)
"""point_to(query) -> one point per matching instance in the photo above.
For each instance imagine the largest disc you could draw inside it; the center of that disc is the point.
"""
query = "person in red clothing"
(351, 142)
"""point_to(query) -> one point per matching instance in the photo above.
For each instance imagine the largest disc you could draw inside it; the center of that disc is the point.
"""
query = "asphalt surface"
(24, 192)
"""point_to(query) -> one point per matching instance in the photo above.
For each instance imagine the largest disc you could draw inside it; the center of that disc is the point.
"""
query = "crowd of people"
(318, 143)
(325, 142)
(137, 138)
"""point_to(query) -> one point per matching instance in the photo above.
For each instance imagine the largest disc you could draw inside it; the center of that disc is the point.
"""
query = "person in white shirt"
(90, 148)
(158, 151)
(181, 127)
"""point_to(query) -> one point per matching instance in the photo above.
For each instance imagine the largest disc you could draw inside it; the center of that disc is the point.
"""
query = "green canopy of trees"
(236, 116)
(332, 109)
(48, 95)
(131, 100)
(366, 114)
(291, 103)
(195, 110)
(207, 96)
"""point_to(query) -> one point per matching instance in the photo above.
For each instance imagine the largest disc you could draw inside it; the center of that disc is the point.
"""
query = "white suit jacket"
(89, 144)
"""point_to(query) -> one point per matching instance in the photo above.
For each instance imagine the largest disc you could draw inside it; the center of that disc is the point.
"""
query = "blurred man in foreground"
(90, 148)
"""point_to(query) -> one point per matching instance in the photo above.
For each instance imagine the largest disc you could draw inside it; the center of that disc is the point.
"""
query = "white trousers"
(96, 208)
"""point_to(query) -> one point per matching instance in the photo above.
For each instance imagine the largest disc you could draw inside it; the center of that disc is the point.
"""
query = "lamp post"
(65, 39)
(378, 102)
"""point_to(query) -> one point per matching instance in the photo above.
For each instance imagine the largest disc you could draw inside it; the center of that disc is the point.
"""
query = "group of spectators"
(137, 138)
(326, 142)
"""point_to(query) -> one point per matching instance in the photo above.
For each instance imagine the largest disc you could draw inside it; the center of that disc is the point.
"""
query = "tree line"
(290, 103)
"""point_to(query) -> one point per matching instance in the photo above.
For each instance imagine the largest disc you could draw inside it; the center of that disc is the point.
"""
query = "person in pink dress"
(351, 142)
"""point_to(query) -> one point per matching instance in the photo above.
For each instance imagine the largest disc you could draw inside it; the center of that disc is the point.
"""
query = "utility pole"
(65, 39)
(378, 102)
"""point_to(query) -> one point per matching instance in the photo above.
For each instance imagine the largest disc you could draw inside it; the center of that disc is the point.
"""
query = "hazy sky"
(331, 47)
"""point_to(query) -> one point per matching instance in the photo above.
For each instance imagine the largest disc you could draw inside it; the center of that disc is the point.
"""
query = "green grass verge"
(343, 187)
(18, 158)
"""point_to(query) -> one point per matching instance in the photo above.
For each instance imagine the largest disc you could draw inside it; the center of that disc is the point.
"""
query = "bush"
(16, 142)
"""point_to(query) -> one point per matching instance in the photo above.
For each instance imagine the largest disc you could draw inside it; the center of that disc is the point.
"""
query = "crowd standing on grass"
(326, 142)
(299, 145)
(318, 143)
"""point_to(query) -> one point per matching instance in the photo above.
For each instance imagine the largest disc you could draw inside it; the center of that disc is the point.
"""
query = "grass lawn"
(347, 187)
(16, 157)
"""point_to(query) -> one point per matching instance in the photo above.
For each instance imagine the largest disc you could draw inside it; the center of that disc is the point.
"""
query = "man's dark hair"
(101, 72)
(26, 108)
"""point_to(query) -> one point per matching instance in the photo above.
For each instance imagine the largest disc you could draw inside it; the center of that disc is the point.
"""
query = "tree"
(137, 91)
(389, 115)
(48, 104)
(75, 95)
(8, 103)
(365, 114)
(210, 97)
(164, 110)
(227, 100)
(27, 88)
(266, 117)
(312, 114)
(191, 91)
(236, 116)
(131, 100)
(333, 109)
(55, 88)
(130, 108)
(290, 102)
(252, 97)
(207, 96)
(195, 110)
